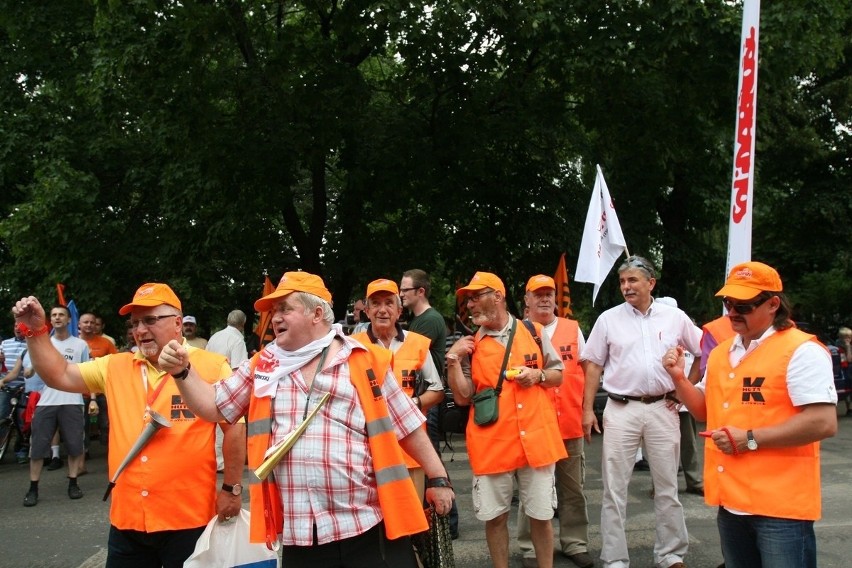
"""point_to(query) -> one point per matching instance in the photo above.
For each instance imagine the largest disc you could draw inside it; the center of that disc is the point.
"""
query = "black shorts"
(70, 420)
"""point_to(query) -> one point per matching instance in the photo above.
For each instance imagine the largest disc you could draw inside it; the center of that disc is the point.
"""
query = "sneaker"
(55, 463)
(74, 492)
(31, 499)
(581, 559)
(642, 465)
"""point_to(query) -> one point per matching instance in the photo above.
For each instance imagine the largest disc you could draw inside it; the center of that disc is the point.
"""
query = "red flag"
(263, 331)
(60, 294)
(563, 294)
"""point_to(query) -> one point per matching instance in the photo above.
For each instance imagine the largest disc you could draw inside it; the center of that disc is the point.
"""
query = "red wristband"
(27, 332)
(734, 449)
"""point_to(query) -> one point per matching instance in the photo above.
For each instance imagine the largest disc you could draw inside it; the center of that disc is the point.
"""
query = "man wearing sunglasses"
(768, 398)
(625, 346)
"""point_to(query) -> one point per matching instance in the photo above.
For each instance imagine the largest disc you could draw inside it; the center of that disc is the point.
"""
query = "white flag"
(603, 241)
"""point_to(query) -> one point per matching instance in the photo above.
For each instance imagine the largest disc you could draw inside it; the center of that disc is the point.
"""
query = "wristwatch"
(182, 375)
(542, 378)
(752, 443)
(235, 489)
(439, 482)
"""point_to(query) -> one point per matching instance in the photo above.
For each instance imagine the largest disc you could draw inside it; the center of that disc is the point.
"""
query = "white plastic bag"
(226, 545)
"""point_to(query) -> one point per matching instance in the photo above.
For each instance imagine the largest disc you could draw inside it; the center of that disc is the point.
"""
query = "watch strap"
(439, 482)
(182, 375)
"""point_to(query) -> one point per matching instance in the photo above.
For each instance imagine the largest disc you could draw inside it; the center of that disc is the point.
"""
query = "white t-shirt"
(810, 378)
(230, 343)
(75, 350)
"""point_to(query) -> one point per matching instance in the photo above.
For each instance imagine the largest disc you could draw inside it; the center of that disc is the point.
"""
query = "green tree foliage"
(202, 143)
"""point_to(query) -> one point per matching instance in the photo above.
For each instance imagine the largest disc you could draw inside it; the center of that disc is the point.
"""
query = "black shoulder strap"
(499, 388)
(533, 332)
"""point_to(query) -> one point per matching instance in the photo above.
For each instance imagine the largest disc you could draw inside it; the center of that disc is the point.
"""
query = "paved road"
(60, 533)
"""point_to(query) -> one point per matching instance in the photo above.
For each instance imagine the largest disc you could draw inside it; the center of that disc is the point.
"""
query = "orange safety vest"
(775, 482)
(526, 432)
(567, 398)
(407, 360)
(401, 507)
(171, 483)
(720, 328)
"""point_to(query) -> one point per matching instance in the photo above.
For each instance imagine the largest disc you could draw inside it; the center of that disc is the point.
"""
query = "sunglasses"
(741, 308)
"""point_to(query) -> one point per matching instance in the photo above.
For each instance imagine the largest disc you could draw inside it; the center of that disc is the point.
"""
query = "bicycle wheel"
(5, 436)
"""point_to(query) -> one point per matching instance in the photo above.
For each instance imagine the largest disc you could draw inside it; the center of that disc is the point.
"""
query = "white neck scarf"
(289, 361)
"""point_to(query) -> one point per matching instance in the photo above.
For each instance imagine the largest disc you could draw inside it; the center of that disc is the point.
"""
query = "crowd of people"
(344, 493)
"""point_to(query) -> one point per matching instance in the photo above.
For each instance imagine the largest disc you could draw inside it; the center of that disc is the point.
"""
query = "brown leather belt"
(645, 399)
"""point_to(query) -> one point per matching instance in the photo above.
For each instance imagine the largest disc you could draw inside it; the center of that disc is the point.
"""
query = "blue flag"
(75, 315)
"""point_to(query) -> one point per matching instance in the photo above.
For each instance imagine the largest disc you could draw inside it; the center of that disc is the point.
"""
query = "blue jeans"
(754, 541)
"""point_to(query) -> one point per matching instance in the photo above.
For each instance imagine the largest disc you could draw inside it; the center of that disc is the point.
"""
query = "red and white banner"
(742, 188)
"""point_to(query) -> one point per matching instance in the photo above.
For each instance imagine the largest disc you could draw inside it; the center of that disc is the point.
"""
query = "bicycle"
(9, 428)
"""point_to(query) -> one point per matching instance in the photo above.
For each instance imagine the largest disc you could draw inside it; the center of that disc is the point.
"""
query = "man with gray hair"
(230, 341)
(626, 347)
(342, 495)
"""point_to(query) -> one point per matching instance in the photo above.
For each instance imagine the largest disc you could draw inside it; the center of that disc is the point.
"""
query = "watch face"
(752, 445)
(238, 489)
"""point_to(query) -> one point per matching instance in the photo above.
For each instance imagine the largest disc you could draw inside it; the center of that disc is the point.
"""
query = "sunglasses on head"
(743, 308)
(638, 262)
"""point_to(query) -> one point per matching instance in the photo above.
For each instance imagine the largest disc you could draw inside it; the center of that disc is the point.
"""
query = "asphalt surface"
(61, 533)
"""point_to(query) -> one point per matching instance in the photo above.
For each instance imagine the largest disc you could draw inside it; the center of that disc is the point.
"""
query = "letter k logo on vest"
(751, 390)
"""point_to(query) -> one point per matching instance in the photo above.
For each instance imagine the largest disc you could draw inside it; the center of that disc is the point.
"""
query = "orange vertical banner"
(563, 293)
(60, 294)
(264, 326)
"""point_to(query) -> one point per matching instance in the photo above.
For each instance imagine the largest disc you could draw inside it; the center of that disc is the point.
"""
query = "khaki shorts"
(492, 494)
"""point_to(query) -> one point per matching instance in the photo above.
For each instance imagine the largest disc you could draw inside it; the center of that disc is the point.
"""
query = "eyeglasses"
(741, 308)
(475, 297)
(150, 320)
(404, 290)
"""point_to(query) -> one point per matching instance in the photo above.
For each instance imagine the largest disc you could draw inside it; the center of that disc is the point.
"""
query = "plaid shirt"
(327, 479)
